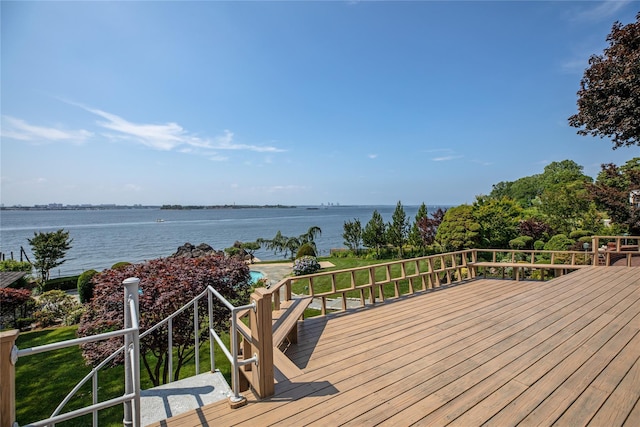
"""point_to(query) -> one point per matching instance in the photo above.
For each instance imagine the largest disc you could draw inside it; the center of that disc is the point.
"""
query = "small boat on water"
(159, 220)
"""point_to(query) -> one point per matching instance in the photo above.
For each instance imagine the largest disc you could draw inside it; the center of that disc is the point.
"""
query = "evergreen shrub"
(521, 242)
(120, 265)
(61, 283)
(306, 250)
(559, 242)
(578, 234)
(85, 286)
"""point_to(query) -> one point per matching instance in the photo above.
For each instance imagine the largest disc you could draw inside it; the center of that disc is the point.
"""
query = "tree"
(415, 235)
(374, 234)
(523, 190)
(561, 173)
(49, 250)
(398, 229)
(428, 227)
(310, 237)
(242, 250)
(535, 228)
(289, 245)
(564, 199)
(167, 284)
(459, 229)
(352, 234)
(277, 244)
(612, 192)
(250, 248)
(498, 219)
(609, 95)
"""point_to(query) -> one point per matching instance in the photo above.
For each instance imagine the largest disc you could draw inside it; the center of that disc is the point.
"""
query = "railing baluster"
(212, 342)
(170, 349)
(196, 334)
(94, 392)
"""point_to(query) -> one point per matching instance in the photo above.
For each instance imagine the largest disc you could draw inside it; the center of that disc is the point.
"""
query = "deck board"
(493, 352)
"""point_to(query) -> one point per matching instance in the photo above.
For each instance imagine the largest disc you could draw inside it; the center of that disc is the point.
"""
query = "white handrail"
(232, 355)
(131, 313)
(132, 335)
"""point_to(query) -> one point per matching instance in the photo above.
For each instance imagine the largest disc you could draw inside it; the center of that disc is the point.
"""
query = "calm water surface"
(103, 237)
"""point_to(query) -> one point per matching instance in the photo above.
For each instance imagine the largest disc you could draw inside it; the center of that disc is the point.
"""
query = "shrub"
(120, 265)
(85, 286)
(305, 265)
(522, 242)
(54, 307)
(15, 304)
(61, 283)
(538, 245)
(578, 234)
(559, 242)
(517, 243)
(306, 250)
(14, 265)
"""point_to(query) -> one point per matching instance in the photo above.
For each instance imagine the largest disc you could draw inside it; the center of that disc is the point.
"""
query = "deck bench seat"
(285, 320)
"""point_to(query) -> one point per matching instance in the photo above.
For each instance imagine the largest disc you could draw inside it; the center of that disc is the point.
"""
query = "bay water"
(102, 237)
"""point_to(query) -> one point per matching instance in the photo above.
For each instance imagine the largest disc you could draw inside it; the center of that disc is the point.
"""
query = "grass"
(44, 379)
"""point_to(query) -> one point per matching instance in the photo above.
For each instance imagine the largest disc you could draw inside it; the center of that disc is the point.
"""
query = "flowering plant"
(305, 265)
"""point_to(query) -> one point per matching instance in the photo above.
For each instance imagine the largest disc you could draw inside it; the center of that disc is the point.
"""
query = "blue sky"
(292, 102)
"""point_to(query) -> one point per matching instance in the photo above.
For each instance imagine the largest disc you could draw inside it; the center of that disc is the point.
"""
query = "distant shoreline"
(56, 207)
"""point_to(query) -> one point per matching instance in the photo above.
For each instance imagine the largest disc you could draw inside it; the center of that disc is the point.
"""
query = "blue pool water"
(255, 276)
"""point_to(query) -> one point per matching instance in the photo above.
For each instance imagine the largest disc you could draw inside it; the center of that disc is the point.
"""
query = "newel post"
(262, 345)
(8, 378)
(131, 345)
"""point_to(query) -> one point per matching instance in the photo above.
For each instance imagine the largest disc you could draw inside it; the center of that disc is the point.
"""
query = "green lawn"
(43, 380)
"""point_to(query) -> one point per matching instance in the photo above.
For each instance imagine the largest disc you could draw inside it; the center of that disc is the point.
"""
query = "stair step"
(169, 400)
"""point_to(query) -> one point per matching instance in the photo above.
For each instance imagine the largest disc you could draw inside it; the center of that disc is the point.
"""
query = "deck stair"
(169, 400)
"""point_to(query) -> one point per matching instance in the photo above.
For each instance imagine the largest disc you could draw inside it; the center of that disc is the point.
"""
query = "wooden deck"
(564, 352)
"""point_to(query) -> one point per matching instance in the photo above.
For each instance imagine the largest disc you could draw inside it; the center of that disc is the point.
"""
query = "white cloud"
(445, 158)
(603, 10)
(447, 154)
(19, 129)
(170, 136)
(372, 156)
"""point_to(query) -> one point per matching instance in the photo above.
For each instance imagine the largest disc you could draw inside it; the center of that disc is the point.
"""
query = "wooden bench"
(285, 320)
(522, 265)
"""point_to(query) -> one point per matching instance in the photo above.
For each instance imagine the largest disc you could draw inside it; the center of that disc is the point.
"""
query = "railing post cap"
(131, 281)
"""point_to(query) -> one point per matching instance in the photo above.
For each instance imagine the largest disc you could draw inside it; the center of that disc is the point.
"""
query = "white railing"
(131, 396)
(132, 337)
(233, 354)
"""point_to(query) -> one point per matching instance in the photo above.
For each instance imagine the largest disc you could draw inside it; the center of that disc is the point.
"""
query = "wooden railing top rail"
(620, 243)
(405, 276)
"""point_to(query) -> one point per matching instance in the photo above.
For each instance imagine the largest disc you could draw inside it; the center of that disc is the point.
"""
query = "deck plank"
(566, 351)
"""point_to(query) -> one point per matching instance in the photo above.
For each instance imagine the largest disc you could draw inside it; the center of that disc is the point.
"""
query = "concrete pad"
(169, 400)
